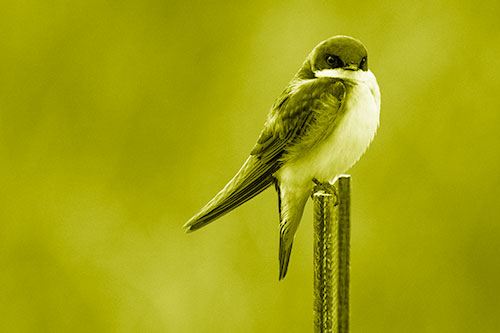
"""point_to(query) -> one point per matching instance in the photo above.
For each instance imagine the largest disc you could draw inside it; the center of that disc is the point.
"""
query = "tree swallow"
(320, 125)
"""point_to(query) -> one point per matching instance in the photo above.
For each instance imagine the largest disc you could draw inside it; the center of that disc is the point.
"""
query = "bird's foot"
(326, 188)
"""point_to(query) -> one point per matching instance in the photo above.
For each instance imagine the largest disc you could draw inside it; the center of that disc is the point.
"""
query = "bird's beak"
(351, 67)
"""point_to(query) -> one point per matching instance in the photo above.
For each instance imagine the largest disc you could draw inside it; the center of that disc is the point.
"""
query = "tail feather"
(253, 177)
(291, 206)
(284, 257)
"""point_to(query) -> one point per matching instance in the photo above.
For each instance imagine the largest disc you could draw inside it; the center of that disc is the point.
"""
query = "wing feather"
(292, 117)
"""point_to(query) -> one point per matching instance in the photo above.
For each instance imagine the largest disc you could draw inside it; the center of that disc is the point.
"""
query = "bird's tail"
(291, 206)
(253, 177)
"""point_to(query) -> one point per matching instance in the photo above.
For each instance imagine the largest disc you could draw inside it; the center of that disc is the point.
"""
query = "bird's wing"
(289, 118)
(253, 177)
(300, 118)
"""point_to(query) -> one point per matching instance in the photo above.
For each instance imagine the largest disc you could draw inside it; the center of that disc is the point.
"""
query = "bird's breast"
(347, 142)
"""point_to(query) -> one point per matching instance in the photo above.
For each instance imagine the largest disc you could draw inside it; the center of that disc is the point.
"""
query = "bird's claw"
(325, 188)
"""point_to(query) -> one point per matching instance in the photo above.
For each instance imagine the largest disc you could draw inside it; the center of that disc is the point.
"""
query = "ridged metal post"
(331, 256)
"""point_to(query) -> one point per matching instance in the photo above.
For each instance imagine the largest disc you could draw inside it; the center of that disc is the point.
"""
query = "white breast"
(350, 139)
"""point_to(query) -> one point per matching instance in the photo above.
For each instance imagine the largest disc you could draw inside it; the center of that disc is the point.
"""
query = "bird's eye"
(333, 61)
(362, 64)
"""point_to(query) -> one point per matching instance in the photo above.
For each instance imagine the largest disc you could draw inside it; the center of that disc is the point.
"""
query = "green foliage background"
(120, 119)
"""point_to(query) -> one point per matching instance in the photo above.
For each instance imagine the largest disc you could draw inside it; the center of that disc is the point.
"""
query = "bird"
(320, 125)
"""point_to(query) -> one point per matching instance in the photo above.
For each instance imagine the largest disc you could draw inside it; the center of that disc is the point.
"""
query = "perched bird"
(318, 128)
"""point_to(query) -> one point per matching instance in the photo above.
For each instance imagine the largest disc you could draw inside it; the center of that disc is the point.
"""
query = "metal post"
(331, 255)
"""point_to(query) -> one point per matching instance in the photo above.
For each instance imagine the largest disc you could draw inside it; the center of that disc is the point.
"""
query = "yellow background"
(120, 119)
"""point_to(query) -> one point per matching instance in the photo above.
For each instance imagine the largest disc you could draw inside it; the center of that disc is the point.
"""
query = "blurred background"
(120, 119)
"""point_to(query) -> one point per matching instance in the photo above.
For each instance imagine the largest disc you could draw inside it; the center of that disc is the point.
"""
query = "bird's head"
(338, 52)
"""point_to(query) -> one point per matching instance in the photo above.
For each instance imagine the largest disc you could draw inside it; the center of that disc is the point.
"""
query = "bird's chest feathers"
(351, 137)
(347, 142)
